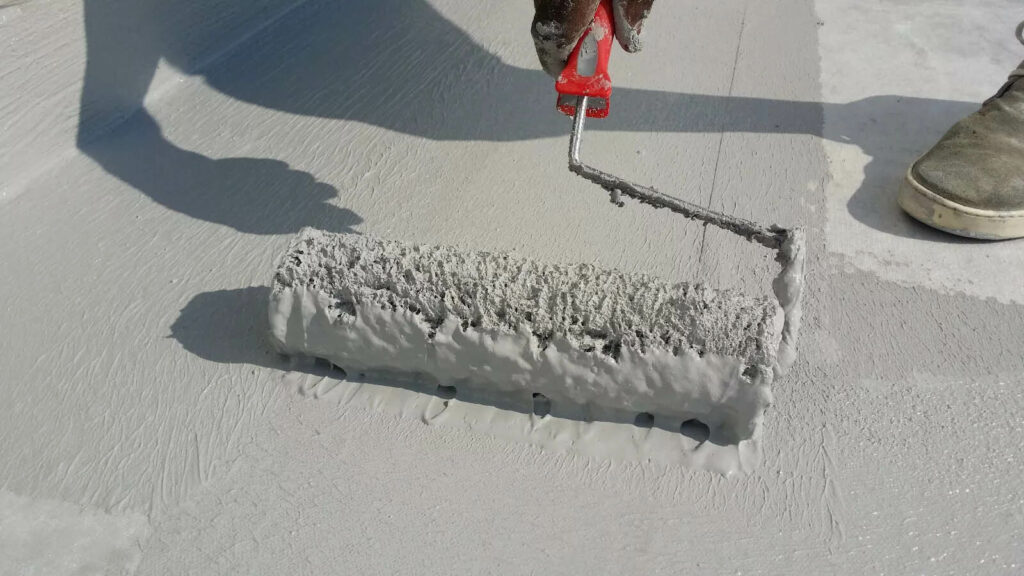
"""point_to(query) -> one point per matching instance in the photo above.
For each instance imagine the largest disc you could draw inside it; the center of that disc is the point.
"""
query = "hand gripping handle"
(586, 73)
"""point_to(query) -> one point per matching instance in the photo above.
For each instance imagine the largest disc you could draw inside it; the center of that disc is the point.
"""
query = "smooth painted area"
(63, 539)
(137, 381)
(929, 65)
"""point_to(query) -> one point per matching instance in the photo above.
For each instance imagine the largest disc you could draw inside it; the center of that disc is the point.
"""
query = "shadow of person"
(125, 39)
(251, 195)
(403, 66)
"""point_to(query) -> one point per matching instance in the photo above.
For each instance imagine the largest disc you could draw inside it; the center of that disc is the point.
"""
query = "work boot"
(972, 182)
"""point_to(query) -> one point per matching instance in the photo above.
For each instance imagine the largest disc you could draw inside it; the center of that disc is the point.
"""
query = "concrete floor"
(146, 420)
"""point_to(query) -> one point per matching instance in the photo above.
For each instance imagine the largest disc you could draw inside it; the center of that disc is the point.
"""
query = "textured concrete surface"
(137, 382)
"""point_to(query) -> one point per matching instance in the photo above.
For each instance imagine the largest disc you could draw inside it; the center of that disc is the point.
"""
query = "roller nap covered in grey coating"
(576, 334)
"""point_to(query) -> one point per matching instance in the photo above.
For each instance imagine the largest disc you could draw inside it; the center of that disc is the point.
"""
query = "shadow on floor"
(229, 327)
(402, 66)
(251, 195)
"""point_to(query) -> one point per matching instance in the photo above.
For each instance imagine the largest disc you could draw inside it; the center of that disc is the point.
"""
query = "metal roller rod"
(770, 237)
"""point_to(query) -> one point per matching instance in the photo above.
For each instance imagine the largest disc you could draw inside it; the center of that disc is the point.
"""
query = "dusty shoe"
(972, 182)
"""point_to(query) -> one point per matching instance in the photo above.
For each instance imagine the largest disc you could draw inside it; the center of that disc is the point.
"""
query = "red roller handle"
(586, 73)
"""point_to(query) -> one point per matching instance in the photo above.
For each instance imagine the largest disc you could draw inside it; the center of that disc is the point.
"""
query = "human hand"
(559, 24)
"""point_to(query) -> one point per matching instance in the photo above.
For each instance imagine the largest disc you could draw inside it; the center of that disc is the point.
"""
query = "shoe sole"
(938, 212)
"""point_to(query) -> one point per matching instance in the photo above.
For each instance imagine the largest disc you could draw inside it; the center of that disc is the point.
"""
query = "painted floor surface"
(149, 429)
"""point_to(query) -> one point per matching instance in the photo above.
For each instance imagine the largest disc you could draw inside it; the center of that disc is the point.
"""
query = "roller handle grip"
(586, 73)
